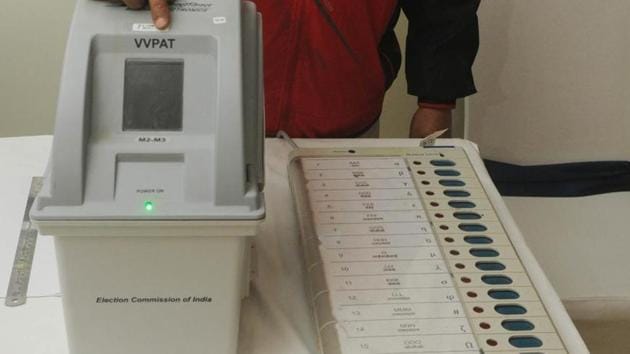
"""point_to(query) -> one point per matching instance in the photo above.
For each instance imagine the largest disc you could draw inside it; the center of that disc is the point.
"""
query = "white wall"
(32, 39)
(554, 81)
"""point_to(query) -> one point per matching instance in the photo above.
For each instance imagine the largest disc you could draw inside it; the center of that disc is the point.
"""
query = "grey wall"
(554, 81)
(32, 37)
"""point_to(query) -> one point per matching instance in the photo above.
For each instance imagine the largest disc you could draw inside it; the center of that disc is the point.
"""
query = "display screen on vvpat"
(153, 94)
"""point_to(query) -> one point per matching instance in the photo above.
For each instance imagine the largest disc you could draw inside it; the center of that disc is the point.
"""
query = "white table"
(276, 318)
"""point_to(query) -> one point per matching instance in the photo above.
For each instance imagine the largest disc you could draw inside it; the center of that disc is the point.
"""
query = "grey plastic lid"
(159, 125)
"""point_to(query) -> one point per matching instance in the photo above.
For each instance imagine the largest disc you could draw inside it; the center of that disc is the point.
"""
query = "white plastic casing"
(206, 275)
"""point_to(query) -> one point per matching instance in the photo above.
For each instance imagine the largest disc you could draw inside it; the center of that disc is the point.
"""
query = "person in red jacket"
(328, 63)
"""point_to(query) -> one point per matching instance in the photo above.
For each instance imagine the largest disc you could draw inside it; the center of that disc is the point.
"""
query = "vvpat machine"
(154, 186)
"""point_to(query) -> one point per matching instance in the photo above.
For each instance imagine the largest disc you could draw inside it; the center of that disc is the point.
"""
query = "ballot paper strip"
(388, 273)
(388, 281)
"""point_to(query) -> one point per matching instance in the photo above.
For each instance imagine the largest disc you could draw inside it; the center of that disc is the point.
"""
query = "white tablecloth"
(275, 319)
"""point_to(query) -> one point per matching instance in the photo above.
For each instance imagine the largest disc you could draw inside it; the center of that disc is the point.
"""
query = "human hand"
(159, 10)
(429, 120)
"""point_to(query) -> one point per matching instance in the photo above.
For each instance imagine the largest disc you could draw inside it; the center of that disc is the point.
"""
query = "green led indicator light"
(148, 206)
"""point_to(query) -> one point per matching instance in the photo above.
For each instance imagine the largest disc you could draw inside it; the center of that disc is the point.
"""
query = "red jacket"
(325, 71)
